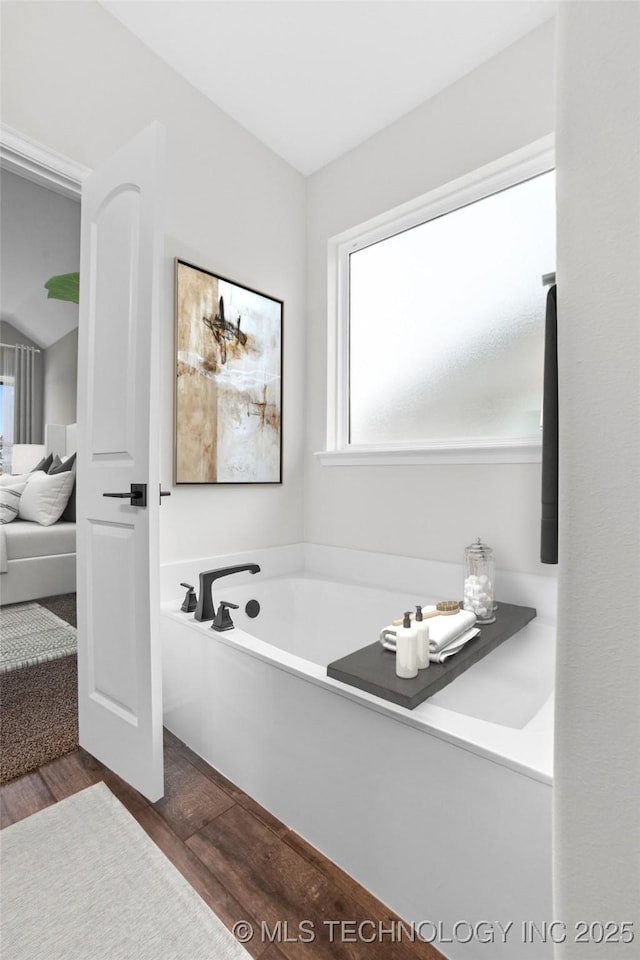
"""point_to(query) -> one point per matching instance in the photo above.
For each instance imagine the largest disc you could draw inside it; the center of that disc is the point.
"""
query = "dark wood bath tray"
(373, 668)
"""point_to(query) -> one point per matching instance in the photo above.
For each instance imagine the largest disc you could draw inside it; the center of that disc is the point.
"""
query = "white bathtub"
(444, 812)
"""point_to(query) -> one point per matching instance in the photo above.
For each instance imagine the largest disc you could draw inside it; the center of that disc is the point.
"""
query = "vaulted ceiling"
(314, 78)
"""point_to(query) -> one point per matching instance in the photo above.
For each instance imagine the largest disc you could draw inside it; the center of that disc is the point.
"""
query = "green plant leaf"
(64, 287)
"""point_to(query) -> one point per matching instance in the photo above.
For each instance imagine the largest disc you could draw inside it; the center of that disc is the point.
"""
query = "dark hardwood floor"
(241, 860)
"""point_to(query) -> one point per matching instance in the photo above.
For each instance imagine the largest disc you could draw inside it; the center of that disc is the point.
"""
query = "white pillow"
(9, 479)
(46, 496)
(10, 500)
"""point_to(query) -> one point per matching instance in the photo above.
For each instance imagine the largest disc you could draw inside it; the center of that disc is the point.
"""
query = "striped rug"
(30, 634)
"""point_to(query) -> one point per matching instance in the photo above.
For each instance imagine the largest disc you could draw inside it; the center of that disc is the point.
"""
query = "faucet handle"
(222, 620)
(189, 602)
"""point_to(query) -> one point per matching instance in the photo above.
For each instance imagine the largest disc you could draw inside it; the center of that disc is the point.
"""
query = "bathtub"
(443, 812)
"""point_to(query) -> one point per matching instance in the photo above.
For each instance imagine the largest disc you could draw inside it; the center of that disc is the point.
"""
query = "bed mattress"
(24, 539)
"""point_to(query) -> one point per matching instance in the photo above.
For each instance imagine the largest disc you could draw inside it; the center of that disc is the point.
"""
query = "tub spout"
(205, 609)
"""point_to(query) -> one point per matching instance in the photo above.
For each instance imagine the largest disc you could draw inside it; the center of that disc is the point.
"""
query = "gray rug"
(31, 634)
(81, 879)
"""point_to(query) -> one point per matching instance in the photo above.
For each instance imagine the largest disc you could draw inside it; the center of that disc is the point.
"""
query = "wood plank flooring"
(243, 862)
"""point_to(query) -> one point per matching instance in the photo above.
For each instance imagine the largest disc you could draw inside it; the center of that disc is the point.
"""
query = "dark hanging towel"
(549, 530)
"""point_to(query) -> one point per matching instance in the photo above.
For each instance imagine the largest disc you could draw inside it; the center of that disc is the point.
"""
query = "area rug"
(81, 879)
(38, 715)
(31, 634)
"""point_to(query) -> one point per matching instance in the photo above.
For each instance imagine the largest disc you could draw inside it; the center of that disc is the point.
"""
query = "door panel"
(115, 313)
(112, 667)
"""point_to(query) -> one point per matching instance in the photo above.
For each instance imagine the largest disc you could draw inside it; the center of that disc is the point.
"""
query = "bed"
(36, 560)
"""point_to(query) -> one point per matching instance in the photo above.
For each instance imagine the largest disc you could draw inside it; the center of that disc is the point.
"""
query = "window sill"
(517, 450)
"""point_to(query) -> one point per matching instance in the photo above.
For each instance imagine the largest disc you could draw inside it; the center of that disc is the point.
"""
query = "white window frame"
(530, 161)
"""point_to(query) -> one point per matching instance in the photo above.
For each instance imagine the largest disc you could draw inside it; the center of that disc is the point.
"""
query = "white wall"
(425, 511)
(61, 380)
(597, 778)
(76, 80)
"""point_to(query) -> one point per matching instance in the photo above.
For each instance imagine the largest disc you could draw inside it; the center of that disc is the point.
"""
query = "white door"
(119, 669)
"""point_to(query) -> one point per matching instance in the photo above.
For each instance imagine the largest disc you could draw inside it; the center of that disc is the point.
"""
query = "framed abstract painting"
(228, 397)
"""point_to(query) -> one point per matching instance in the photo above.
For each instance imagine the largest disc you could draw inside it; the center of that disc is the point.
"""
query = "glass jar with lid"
(479, 592)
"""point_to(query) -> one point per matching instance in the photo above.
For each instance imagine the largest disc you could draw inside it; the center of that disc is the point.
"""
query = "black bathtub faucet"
(205, 609)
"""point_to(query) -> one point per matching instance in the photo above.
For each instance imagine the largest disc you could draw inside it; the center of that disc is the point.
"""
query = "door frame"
(41, 164)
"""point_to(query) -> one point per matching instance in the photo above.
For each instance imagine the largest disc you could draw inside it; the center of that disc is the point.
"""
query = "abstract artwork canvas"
(228, 419)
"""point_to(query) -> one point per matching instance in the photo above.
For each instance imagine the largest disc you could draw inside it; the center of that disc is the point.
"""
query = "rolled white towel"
(442, 631)
(454, 646)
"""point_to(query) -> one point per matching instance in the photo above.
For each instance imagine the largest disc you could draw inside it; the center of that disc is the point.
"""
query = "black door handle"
(164, 493)
(137, 496)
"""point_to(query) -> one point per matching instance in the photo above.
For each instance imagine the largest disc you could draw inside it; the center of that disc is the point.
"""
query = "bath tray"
(373, 668)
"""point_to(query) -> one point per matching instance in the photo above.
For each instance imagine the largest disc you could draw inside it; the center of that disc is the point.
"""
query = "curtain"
(7, 387)
(25, 412)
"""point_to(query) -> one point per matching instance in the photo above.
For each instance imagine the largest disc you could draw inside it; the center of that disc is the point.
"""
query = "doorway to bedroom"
(40, 238)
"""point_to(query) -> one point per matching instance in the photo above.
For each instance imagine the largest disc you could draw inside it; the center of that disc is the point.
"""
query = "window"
(6, 422)
(438, 333)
